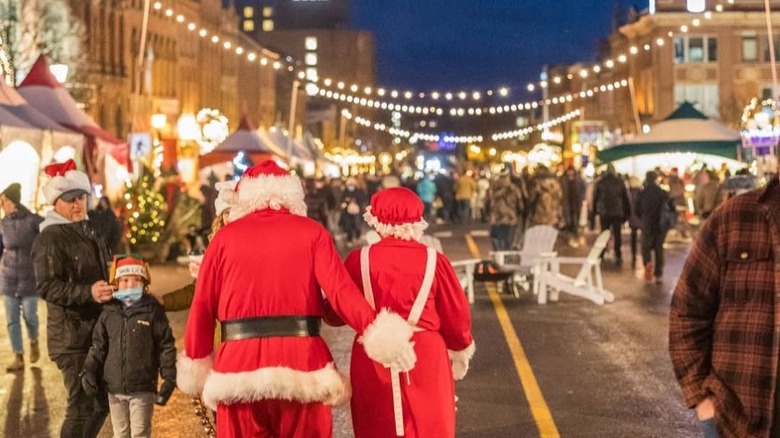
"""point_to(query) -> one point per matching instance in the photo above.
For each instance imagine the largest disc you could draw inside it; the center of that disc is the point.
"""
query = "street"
(568, 368)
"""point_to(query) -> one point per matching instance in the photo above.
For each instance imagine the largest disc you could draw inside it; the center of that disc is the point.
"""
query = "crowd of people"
(256, 227)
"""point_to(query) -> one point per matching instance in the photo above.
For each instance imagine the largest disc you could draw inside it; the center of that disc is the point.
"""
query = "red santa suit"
(272, 264)
(401, 274)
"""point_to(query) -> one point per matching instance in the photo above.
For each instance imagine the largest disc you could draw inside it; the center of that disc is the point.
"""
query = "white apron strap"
(425, 289)
(365, 276)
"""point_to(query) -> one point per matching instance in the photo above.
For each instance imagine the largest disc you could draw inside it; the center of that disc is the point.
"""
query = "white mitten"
(195, 261)
(406, 361)
(460, 361)
(388, 340)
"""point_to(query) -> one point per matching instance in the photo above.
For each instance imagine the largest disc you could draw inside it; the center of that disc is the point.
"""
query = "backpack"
(669, 216)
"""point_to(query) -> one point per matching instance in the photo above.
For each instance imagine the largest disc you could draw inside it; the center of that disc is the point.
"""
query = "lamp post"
(291, 127)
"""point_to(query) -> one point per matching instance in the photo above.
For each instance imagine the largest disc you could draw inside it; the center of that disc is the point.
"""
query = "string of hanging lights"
(375, 93)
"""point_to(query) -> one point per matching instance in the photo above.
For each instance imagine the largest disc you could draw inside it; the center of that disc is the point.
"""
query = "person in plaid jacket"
(724, 327)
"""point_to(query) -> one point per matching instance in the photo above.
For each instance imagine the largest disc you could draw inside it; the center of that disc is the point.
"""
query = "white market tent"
(103, 154)
(28, 141)
(684, 133)
(245, 139)
(49, 97)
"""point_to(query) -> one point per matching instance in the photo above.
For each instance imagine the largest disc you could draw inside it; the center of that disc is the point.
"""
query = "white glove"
(406, 360)
(195, 261)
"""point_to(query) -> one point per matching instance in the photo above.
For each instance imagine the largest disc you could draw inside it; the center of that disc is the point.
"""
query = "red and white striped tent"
(41, 90)
(244, 139)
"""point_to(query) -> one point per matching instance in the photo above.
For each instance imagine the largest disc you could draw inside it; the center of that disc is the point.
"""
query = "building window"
(268, 25)
(749, 48)
(268, 12)
(703, 96)
(249, 25)
(695, 49)
(249, 12)
(712, 49)
(311, 59)
(310, 43)
(777, 48)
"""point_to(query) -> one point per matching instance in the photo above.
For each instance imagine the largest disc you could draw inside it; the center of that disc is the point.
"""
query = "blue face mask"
(129, 295)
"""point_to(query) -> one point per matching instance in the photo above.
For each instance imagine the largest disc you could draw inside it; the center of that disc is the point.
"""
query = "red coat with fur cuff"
(268, 263)
(444, 345)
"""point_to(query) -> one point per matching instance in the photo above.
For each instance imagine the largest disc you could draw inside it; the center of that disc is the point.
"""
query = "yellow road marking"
(533, 394)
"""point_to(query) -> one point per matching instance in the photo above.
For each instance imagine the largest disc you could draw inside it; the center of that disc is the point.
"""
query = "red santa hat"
(396, 212)
(266, 185)
(128, 265)
(65, 181)
(227, 195)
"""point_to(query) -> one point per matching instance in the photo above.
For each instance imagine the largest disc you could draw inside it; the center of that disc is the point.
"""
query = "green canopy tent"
(686, 130)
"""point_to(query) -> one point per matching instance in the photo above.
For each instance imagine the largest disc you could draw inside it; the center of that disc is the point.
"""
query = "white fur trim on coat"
(71, 180)
(191, 374)
(387, 340)
(407, 231)
(325, 385)
(268, 191)
(460, 361)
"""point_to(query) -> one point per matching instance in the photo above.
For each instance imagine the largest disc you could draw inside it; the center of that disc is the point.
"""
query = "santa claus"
(403, 275)
(266, 278)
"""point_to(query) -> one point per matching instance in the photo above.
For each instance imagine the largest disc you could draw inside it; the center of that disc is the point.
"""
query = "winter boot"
(649, 271)
(17, 364)
(35, 352)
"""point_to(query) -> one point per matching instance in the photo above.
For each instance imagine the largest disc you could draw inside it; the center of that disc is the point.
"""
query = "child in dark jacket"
(132, 343)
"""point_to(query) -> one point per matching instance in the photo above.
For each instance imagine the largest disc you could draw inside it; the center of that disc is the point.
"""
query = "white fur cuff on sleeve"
(460, 361)
(387, 340)
(191, 374)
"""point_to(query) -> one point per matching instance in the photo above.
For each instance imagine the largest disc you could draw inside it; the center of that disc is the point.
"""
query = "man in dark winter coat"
(649, 204)
(610, 202)
(71, 269)
(18, 230)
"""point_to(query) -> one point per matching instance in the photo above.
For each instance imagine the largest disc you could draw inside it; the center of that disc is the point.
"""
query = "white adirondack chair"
(531, 260)
(465, 271)
(587, 284)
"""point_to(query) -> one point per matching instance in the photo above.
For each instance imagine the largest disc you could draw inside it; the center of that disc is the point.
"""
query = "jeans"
(708, 429)
(502, 237)
(84, 415)
(131, 415)
(28, 306)
(653, 241)
(464, 211)
(614, 224)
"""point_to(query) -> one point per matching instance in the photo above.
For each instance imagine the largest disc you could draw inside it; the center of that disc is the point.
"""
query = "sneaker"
(17, 364)
(35, 352)
(649, 272)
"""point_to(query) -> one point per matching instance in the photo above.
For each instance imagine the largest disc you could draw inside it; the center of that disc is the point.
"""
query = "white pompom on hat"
(266, 185)
(227, 195)
(65, 180)
(396, 212)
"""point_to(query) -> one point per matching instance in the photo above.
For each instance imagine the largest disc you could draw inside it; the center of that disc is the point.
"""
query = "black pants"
(634, 244)
(84, 415)
(653, 241)
(614, 224)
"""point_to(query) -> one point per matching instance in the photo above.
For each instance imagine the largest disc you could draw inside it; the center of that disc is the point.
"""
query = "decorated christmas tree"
(145, 212)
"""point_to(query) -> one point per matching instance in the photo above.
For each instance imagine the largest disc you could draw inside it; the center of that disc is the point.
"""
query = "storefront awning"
(726, 149)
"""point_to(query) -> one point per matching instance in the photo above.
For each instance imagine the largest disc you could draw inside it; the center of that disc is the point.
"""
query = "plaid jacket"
(724, 325)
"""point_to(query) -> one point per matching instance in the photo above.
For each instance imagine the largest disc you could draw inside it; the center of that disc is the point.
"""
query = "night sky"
(476, 44)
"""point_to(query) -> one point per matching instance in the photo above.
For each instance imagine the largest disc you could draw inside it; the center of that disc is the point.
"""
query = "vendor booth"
(103, 152)
(244, 140)
(28, 141)
(686, 137)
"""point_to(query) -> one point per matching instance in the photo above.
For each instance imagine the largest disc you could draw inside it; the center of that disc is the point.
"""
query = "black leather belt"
(271, 326)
